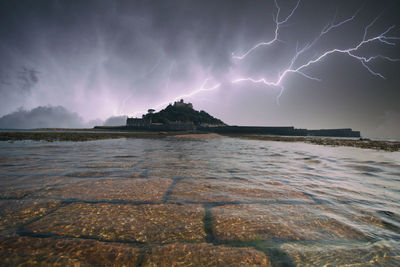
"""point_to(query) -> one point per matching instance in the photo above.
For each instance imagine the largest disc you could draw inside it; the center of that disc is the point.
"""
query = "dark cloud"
(42, 117)
(112, 58)
(27, 78)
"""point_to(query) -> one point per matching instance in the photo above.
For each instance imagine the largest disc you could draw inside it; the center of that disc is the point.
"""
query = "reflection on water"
(187, 202)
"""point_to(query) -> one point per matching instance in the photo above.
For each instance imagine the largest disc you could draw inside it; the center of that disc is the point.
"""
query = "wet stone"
(203, 255)
(20, 187)
(88, 174)
(357, 254)
(110, 165)
(373, 222)
(234, 190)
(339, 193)
(177, 169)
(133, 189)
(13, 213)
(133, 223)
(15, 192)
(277, 221)
(28, 251)
(197, 136)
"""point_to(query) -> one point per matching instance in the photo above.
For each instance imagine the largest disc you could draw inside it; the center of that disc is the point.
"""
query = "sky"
(70, 63)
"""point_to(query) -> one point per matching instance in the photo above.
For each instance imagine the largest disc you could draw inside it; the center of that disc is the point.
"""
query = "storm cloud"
(42, 117)
(103, 58)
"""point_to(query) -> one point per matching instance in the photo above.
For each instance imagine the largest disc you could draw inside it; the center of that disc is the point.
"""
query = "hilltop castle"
(182, 104)
(179, 116)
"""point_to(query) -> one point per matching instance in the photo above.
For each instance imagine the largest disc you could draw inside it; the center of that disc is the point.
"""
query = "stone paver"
(132, 189)
(230, 190)
(340, 255)
(135, 223)
(16, 212)
(28, 251)
(19, 187)
(282, 221)
(203, 255)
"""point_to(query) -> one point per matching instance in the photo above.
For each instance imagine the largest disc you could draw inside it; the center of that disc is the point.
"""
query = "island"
(181, 120)
(181, 116)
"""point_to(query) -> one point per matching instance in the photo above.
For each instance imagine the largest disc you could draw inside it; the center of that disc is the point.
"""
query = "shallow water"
(216, 201)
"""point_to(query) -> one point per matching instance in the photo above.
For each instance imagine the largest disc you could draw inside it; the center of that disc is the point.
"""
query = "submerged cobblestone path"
(189, 202)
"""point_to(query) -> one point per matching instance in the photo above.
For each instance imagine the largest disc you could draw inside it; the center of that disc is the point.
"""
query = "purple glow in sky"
(230, 58)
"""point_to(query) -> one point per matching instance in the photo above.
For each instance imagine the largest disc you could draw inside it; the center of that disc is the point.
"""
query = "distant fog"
(115, 121)
(52, 117)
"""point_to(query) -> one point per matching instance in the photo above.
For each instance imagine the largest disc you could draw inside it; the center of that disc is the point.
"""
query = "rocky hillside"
(185, 113)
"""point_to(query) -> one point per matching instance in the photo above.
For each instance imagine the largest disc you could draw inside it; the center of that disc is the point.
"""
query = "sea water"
(166, 199)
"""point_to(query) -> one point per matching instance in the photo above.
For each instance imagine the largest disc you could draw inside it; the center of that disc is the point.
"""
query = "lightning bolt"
(191, 94)
(278, 24)
(382, 38)
(296, 67)
(202, 88)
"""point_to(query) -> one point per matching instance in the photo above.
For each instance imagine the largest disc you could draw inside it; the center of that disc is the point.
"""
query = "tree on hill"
(181, 113)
